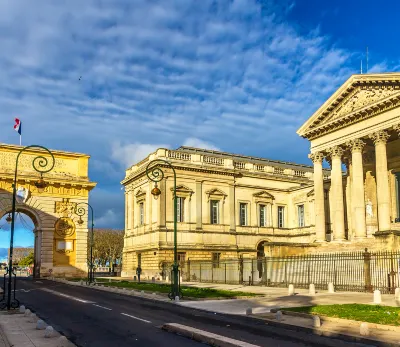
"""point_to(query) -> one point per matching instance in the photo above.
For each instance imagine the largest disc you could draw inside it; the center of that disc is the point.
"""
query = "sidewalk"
(20, 332)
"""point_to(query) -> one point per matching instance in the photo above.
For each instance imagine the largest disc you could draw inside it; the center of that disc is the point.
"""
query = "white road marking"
(106, 308)
(66, 296)
(143, 320)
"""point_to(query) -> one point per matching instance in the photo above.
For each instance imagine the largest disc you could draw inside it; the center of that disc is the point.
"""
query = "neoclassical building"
(232, 206)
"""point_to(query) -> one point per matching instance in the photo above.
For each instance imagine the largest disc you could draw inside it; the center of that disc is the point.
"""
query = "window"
(243, 214)
(263, 216)
(215, 259)
(300, 215)
(281, 217)
(141, 213)
(180, 209)
(181, 257)
(214, 213)
(139, 259)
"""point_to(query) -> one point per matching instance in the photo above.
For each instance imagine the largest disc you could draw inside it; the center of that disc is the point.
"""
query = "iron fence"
(353, 271)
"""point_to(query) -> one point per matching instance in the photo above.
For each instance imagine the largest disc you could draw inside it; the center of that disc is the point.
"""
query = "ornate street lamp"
(81, 211)
(41, 165)
(156, 174)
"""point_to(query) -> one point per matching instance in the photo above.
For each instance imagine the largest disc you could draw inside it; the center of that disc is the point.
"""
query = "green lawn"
(367, 313)
(188, 292)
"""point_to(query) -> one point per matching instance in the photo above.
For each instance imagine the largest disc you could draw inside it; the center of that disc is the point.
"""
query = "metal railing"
(354, 271)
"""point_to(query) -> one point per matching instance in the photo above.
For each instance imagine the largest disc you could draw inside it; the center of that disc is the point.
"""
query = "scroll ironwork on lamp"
(82, 211)
(40, 164)
(156, 174)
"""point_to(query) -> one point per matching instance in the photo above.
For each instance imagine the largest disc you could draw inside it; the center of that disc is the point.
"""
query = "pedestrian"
(138, 272)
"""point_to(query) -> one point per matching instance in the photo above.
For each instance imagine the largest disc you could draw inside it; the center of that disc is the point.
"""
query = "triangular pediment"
(264, 195)
(215, 191)
(360, 97)
(140, 192)
(182, 188)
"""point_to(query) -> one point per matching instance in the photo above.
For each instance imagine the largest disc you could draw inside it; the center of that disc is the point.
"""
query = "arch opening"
(25, 240)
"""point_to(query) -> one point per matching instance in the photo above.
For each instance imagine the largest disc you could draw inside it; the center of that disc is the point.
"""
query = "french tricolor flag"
(18, 126)
(18, 129)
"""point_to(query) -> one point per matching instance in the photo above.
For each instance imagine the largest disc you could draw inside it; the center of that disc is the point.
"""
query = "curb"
(338, 320)
(313, 337)
(327, 333)
(204, 336)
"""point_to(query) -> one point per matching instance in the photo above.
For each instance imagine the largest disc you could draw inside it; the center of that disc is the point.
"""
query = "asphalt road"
(90, 317)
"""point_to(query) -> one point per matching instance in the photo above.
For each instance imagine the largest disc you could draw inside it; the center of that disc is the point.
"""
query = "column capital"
(356, 145)
(316, 157)
(335, 152)
(379, 137)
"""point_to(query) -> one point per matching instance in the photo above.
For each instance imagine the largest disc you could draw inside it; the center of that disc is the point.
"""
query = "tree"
(27, 261)
(107, 246)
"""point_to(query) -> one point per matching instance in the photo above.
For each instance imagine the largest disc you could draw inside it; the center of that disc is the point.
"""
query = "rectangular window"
(180, 209)
(139, 259)
(243, 214)
(263, 216)
(300, 215)
(141, 213)
(214, 213)
(281, 217)
(181, 257)
(215, 260)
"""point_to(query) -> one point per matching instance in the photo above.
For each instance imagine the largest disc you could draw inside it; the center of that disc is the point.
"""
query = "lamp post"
(81, 211)
(156, 174)
(41, 165)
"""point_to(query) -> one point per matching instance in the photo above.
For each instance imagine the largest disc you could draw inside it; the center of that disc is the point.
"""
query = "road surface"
(90, 317)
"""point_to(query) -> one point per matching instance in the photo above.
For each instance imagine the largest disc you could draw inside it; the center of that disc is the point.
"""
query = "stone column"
(337, 193)
(358, 194)
(317, 159)
(382, 181)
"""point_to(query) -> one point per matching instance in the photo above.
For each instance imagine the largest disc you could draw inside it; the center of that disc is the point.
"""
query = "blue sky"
(23, 235)
(235, 75)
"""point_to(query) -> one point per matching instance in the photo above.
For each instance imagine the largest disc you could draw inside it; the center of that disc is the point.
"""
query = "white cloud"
(217, 74)
(129, 154)
(194, 142)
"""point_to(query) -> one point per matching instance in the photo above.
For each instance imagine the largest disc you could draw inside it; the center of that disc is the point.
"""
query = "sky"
(119, 78)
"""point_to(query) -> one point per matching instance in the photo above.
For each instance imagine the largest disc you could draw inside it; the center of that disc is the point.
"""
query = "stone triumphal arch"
(60, 235)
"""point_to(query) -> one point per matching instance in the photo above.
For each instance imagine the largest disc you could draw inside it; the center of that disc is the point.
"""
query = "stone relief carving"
(64, 227)
(361, 98)
(65, 207)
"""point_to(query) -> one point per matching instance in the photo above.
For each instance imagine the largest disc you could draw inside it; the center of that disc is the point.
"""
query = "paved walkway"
(20, 332)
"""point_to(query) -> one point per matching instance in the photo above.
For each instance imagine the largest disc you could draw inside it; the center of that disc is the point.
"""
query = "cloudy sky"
(117, 79)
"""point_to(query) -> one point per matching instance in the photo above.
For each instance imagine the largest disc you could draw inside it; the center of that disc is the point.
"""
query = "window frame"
(217, 204)
(216, 262)
(262, 222)
(301, 216)
(243, 219)
(281, 219)
(180, 209)
(141, 213)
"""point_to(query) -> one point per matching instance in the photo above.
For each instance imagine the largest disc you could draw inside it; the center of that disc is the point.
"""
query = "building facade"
(232, 206)
(60, 235)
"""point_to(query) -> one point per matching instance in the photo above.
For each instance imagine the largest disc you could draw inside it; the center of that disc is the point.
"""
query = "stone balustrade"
(219, 161)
